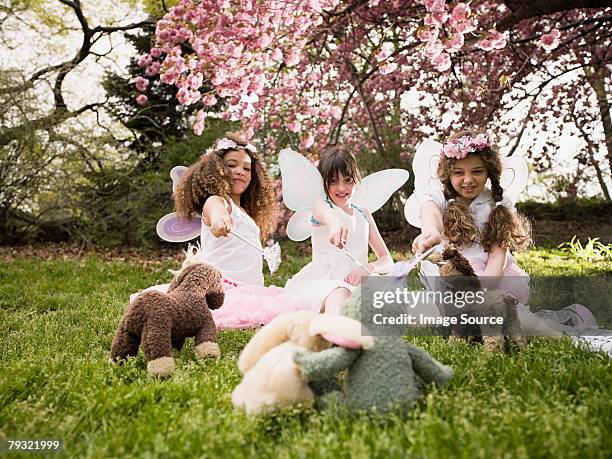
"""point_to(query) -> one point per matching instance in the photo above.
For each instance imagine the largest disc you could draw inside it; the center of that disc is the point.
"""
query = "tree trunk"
(596, 79)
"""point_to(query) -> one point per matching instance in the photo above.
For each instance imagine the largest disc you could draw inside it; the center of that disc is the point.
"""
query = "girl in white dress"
(227, 193)
(482, 222)
(327, 281)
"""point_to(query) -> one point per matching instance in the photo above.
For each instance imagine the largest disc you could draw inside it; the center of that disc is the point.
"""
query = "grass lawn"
(58, 317)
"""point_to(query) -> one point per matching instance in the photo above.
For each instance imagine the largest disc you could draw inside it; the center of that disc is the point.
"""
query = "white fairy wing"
(374, 190)
(302, 187)
(175, 174)
(425, 164)
(302, 182)
(424, 168)
(514, 176)
(173, 228)
(299, 227)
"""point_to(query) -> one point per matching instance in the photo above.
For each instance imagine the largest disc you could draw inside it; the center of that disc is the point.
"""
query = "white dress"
(238, 262)
(330, 265)
(248, 303)
(515, 279)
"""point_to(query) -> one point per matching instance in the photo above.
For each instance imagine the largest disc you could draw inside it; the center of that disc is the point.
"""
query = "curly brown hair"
(505, 227)
(210, 176)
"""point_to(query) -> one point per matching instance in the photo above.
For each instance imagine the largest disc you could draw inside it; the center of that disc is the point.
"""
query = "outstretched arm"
(330, 216)
(383, 263)
(318, 366)
(428, 368)
(431, 227)
(216, 214)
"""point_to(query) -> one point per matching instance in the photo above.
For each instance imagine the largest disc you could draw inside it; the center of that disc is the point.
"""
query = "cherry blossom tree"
(379, 75)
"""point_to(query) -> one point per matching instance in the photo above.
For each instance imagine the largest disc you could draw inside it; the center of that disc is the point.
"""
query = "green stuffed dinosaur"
(381, 374)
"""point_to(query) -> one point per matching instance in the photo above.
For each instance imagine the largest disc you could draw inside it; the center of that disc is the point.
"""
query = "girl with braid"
(472, 211)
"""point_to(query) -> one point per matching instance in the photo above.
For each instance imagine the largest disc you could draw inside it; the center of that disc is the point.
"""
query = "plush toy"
(161, 321)
(458, 274)
(271, 380)
(380, 374)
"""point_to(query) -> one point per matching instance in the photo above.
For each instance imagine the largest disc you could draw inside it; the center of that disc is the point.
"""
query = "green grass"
(57, 320)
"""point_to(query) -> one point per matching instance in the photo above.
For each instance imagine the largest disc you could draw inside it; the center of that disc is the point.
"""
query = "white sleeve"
(412, 208)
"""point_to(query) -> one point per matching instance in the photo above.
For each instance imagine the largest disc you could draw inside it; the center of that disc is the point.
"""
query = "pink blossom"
(466, 26)
(294, 126)
(437, 19)
(336, 112)
(460, 13)
(264, 41)
(455, 43)
(387, 68)
(155, 53)
(145, 61)
(277, 55)
(442, 62)
(152, 69)
(170, 76)
(209, 100)
(307, 141)
(433, 48)
(142, 100)
(425, 34)
(198, 126)
(495, 40)
(550, 40)
(141, 84)
(384, 51)
(292, 58)
(434, 5)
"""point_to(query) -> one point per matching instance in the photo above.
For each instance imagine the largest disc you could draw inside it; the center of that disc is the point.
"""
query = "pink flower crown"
(228, 144)
(460, 147)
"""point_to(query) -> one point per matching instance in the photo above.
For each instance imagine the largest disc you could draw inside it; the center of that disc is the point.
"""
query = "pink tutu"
(245, 306)
(249, 306)
(514, 280)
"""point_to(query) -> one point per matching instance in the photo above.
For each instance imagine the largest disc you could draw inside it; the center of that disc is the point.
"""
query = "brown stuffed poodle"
(161, 321)
(459, 275)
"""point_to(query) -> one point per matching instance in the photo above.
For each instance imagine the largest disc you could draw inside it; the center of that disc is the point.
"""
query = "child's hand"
(355, 277)
(338, 233)
(221, 226)
(426, 240)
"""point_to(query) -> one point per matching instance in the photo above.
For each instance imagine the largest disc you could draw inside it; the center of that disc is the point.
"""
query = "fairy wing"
(374, 190)
(175, 174)
(173, 228)
(424, 168)
(302, 187)
(514, 177)
(425, 164)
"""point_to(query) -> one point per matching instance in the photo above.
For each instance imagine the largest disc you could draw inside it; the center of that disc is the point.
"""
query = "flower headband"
(459, 148)
(228, 144)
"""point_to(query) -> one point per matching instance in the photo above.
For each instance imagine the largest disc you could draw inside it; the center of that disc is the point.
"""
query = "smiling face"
(341, 190)
(239, 164)
(340, 172)
(469, 176)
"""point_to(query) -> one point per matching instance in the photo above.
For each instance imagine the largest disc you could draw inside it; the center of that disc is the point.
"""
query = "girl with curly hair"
(230, 188)
(479, 219)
